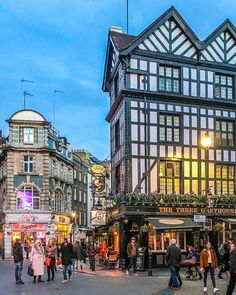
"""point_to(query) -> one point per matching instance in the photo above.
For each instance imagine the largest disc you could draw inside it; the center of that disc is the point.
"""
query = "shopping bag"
(59, 261)
(47, 261)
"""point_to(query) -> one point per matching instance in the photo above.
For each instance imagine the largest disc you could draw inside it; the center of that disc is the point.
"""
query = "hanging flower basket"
(218, 227)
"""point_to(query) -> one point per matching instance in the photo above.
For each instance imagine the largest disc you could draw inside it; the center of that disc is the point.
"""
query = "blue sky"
(61, 44)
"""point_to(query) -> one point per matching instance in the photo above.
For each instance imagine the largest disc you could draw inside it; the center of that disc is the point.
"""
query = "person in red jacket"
(208, 263)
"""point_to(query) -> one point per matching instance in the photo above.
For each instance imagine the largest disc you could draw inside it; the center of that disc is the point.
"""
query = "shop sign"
(99, 184)
(28, 227)
(199, 218)
(61, 219)
(98, 169)
(189, 210)
(98, 217)
(28, 218)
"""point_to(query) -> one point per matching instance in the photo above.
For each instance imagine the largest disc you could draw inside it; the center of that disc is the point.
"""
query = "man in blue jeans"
(173, 258)
(67, 253)
(18, 260)
(132, 252)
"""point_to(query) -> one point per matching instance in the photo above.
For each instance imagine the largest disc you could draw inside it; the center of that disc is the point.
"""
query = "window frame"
(227, 86)
(165, 77)
(35, 197)
(27, 136)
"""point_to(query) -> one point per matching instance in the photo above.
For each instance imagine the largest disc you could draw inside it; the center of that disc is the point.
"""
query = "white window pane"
(133, 63)
(203, 122)
(194, 137)
(193, 89)
(210, 76)
(153, 117)
(186, 73)
(153, 67)
(202, 75)
(143, 65)
(186, 120)
(161, 71)
(193, 74)
(134, 81)
(202, 90)
(153, 83)
(210, 91)
(210, 123)
(186, 136)
(186, 88)
(176, 73)
(134, 115)
(168, 72)
(194, 121)
(134, 132)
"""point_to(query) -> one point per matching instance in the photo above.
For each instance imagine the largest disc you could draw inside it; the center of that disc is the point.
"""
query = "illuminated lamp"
(206, 141)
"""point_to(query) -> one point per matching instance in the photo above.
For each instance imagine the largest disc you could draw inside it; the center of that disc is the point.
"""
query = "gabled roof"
(170, 13)
(121, 41)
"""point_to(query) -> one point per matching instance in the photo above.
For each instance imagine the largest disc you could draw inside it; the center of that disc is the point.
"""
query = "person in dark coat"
(79, 255)
(67, 253)
(232, 270)
(18, 260)
(173, 258)
(224, 260)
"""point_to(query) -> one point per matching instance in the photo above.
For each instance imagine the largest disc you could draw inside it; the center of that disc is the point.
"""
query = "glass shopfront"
(28, 232)
(158, 242)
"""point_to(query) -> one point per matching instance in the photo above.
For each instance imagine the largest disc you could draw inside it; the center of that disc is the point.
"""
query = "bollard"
(93, 263)
(149, 263)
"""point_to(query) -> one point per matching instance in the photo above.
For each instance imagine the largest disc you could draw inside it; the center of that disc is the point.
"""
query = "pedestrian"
(84, 251)
(51, 252)
(18, 260)
(67, 253)
(208, 263)
(26, 248)
(79, 255)
(37, 259)
(224, 259)
(91, 255)
(132, 252)
(74, 259)
(173, 258)
(232, 270)
(190, 255)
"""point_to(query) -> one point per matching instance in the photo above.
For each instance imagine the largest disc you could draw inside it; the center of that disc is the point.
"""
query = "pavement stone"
(102, 282)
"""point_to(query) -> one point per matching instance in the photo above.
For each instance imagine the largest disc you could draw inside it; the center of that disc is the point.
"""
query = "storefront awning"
(174, 224)
(229, 220)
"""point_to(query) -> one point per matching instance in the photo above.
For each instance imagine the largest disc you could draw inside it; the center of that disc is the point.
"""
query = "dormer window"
(28, 135)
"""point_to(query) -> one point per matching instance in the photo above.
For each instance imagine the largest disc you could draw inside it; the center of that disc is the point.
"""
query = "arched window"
(27, 198)
(59, 201)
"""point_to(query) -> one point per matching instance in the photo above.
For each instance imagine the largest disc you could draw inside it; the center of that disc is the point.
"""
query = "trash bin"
(141, 258)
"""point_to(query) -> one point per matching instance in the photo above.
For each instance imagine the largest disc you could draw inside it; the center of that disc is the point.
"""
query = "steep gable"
(169, 38)
(220, 46)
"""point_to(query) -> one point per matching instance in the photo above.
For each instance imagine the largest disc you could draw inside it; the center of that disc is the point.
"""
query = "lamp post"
(73, 214)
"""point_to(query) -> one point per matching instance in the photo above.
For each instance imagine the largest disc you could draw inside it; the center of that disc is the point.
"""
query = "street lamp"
(206, 141)
(73, 215)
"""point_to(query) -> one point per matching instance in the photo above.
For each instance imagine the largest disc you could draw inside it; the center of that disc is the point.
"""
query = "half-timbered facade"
(168, 92)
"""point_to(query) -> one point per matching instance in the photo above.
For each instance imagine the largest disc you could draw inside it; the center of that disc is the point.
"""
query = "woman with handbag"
(37, 259)
(51, 255)
(208, 263)
(191, 262)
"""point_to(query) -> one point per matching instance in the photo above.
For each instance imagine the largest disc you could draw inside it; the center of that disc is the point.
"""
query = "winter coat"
(173, 255)
(67, 253)
(129, 249)
(79, 252)
(204, 259)
(37, 260)
(232, 261)
(18, 253)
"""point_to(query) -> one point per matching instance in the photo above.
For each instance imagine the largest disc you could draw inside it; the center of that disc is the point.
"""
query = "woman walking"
(208, 263)
(51, 252)
(79, 255)
(37, 260)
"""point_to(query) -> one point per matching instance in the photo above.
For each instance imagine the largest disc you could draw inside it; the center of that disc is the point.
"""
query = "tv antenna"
(25, 93)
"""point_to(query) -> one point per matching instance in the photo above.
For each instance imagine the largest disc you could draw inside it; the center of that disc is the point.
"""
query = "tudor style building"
(36, 178)
(172, 122)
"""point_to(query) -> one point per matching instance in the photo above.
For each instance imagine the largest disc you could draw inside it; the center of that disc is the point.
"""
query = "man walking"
(173, 258)
(132, 252)
(232, 260)
(18, 260)
(67, 253)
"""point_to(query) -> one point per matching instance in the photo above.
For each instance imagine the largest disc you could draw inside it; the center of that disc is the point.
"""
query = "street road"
(110, 282)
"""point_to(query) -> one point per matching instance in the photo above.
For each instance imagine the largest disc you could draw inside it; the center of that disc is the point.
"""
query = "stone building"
(36, 177)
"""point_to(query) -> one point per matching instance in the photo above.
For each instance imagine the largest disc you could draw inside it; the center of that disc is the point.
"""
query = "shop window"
(28, 135)
(28, 164)
(167, 237)
(59, 201)
(158, 241)
(28, 198)
(169, 173)
(224, 133)
(223, 86)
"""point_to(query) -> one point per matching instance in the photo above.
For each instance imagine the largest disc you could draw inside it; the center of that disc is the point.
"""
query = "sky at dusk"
(61, 44)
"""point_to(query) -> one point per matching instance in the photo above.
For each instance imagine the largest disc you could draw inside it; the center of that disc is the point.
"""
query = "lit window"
(29, 135)
(27, 198)
(169, 173)
(225, 179)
